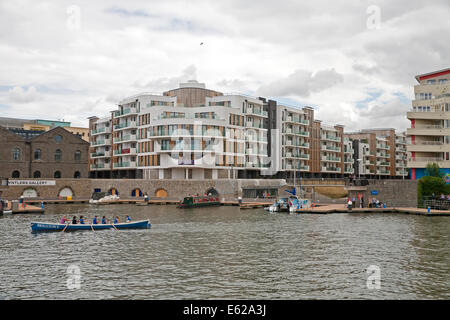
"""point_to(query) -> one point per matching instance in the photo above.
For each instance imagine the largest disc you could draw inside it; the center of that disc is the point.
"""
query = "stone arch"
(65, 192)
(161, 193)
(113, 191)
(30, 193)
(213, 192)
(136, 193)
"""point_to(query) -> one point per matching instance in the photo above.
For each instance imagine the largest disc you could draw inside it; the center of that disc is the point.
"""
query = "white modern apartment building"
(379, 153)
(430, 123)
(294, 129)
(186, 133)
(192, 132)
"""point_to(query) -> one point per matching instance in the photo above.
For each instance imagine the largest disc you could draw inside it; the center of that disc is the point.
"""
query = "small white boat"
(290, 204)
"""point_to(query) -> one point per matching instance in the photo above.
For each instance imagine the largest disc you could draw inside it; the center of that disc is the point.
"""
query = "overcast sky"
(355, 61)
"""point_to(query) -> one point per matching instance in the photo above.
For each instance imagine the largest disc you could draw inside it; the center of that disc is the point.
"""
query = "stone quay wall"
(396, 193)
(173, 189)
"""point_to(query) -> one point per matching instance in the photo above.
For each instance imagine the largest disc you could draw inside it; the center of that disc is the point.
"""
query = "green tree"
(433, 170)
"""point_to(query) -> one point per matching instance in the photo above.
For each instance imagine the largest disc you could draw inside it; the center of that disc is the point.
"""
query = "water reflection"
(225, 253)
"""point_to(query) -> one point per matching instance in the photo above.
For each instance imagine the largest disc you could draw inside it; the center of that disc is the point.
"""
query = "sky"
(355, 62)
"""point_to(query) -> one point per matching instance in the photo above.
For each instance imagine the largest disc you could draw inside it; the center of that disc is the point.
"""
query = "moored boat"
(199, 201)
(290, 204)
(48, 226)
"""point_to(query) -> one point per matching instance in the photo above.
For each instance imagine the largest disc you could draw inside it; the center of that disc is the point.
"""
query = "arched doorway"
(213, 192)
(135, 193)
(113, 192)
(30, 193)
(65, 192)
(161, 193)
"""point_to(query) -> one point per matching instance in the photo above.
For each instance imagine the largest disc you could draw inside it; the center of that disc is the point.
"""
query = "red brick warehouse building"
(56, 153)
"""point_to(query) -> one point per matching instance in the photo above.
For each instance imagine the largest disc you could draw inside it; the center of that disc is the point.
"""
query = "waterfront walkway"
(342, 208)
(259, 203)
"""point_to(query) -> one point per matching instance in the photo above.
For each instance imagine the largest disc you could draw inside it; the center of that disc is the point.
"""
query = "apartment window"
(77, 155)
(431, 81)
(165, 144)
(58, 155)
(442, 80)
(16, 154)
(37, 154)
(57, 174)
(77, 175)
(37, 174)
(15, 174)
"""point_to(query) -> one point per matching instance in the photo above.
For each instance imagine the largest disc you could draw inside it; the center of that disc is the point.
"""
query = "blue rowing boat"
(45, 226)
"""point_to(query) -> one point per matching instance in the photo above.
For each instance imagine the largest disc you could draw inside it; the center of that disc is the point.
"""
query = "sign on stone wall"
(12, 182)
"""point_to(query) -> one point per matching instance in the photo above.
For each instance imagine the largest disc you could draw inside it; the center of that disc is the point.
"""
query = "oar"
(92, 227)
(114, 226)
(67, 224)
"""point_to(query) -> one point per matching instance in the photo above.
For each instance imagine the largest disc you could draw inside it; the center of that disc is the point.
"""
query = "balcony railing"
(125, 138)
(100, 166)
(331, 169)
(425, 159)
(127, 164)
(333, 138)
(101, 142)
(331, 148)
(131, 124)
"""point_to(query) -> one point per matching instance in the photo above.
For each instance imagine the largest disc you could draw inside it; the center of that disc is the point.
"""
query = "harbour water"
(226, 253)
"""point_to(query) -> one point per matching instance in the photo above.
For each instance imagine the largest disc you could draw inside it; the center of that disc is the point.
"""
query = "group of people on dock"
(375, 203)
(372, 203)
(64, 220)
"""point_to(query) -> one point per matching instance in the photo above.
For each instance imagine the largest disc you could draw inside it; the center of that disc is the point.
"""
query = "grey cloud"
(128, 13)
(165, 83)
(20, 95)
(302, 83)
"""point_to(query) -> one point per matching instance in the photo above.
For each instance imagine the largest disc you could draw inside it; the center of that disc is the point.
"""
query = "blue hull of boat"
(43, 226)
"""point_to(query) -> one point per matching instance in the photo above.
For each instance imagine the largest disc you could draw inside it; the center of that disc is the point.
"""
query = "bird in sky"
(201, 43)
